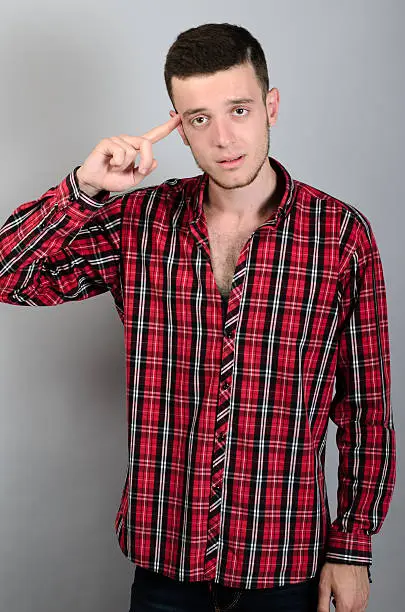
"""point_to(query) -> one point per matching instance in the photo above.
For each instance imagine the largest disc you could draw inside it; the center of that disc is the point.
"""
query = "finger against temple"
(161, 131)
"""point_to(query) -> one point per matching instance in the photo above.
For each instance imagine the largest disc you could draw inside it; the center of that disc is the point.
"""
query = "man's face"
(224, 118)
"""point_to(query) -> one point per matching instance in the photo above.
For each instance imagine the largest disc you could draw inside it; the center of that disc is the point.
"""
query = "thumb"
(137, 177)
(152, 168)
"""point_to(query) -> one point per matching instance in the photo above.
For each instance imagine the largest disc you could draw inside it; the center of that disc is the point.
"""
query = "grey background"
(74, 72)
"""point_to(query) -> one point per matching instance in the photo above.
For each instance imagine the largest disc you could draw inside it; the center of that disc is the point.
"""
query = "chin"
(231, 183)
(235, 181)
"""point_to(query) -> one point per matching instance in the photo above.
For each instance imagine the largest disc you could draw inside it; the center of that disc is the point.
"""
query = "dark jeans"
(153, 592)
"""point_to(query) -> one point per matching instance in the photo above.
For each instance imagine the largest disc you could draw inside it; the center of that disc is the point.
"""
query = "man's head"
(212, 47)
(216, 76)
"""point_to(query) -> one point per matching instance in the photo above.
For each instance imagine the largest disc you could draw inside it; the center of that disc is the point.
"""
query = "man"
(225, 500)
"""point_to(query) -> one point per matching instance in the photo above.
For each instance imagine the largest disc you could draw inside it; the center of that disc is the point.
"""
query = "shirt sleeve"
(61, 247)
(361, 407)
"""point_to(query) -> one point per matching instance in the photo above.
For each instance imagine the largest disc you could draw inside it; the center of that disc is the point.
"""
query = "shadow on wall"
(63, 435)
(58, 90)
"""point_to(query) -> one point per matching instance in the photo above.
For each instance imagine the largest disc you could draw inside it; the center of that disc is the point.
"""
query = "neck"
(243, 204)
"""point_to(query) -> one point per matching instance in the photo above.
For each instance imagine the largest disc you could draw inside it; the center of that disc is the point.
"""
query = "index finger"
(161, 131)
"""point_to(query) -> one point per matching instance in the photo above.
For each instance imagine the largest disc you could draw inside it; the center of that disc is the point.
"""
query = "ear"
(180, 130)
(272, 104)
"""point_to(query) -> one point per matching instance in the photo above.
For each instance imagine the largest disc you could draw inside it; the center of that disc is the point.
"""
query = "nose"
(221, 133)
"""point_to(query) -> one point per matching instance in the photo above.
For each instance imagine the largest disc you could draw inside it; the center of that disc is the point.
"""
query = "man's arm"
(66, 245)
(361, 407)
(365, 437)
(62, 247)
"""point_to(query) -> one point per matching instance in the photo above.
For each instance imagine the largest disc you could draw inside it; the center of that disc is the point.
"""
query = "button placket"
(217, 498)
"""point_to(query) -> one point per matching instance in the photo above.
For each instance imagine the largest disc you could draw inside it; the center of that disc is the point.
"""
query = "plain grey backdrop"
(74, 72)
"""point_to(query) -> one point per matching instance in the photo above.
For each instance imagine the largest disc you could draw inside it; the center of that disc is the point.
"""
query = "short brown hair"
(211, 47)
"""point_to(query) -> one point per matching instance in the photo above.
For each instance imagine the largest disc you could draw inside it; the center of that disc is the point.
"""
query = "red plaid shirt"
(227, 424)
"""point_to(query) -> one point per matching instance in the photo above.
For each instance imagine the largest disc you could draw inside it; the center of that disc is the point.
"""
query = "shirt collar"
(282, 210)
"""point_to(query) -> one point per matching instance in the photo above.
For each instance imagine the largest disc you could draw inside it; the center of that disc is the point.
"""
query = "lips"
(230, 159)
(231, 163)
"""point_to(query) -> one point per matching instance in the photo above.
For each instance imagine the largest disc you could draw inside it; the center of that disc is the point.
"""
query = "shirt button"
(217, 488)
(228, 333)
(226, 386)
(221, 436)
(72, 198)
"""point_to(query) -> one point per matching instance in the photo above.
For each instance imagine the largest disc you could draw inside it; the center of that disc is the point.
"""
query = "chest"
(225, 247)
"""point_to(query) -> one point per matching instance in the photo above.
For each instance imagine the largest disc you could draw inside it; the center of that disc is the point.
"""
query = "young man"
(228, 409)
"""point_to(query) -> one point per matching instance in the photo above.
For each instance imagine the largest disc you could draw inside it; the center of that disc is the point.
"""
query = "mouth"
(231, 162)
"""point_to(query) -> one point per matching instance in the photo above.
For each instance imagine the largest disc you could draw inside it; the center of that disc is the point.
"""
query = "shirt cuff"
(75, 200)
(348, 547)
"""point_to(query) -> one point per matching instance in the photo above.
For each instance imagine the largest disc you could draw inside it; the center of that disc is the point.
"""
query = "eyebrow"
(191, 111)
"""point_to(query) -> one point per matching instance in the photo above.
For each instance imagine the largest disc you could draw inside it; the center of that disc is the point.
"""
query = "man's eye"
(198, 120)
(241, 114)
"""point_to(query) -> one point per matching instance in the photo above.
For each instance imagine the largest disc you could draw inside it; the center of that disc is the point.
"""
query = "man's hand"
(111, 164)
(348, 584)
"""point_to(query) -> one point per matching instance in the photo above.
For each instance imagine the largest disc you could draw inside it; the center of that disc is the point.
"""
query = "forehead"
(213, 89)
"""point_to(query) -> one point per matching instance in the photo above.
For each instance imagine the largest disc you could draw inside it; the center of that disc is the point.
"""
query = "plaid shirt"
(227, 424)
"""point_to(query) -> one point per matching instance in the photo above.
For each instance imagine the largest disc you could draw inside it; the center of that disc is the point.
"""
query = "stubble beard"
(251, 177)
